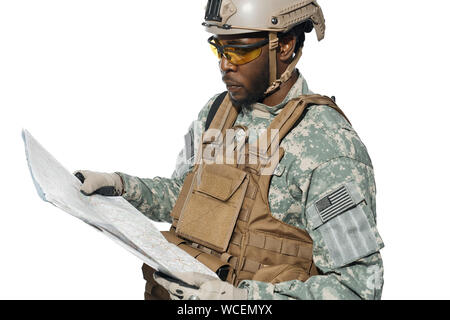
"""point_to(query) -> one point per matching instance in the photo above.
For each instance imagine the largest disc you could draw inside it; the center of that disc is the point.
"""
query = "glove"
(207, 287)
(105, 184)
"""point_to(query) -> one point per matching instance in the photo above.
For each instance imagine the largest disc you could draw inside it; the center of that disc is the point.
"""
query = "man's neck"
(278, 96)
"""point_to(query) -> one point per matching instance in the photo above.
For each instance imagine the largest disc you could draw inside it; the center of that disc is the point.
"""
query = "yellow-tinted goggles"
(237, 54)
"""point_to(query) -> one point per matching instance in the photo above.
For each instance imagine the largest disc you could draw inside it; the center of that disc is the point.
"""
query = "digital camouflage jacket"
(323, 154)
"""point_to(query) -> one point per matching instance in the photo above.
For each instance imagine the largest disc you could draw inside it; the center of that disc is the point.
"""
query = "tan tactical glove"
(105, 184)
(201, 287)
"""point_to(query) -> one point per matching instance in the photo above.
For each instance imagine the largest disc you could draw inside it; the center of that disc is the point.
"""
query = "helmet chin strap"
(276, 83)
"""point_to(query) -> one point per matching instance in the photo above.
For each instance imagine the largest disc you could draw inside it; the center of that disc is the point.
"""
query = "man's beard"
(258, 93)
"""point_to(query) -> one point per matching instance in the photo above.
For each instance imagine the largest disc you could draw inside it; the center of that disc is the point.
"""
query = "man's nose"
(226, 65)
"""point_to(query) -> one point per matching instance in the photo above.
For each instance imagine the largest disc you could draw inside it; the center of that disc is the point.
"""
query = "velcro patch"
(334, 204)
(342, 222)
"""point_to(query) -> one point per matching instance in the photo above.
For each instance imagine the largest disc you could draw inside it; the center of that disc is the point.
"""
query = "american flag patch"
(334, 204)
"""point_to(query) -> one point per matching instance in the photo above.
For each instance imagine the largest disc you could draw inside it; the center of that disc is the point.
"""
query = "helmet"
(225, 17)
(230, 17)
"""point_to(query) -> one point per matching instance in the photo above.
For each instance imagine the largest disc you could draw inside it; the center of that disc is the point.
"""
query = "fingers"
(89, 180)
(79, 175)
(194, 278)
(106, 184)
(176, 290)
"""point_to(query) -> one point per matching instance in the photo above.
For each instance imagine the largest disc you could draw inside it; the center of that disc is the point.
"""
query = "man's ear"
(287, 47)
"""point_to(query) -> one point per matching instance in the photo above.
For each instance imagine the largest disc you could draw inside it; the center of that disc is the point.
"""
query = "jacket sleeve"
(156, 197)
(340, 213)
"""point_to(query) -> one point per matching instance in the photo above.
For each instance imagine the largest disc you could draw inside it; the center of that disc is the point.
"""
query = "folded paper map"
(113, 216)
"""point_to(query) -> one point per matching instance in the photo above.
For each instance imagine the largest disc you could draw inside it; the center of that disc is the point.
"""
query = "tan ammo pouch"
(153, 290)
(281, 273)
(211, 210)
(212, 262)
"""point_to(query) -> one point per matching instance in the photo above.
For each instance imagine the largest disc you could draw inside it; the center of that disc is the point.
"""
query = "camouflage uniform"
(323, 153)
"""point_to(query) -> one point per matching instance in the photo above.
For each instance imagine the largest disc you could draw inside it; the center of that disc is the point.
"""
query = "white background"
(112, 85)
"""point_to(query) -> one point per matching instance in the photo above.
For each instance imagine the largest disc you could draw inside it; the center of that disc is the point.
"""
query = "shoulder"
(185, 159)
(324, 135)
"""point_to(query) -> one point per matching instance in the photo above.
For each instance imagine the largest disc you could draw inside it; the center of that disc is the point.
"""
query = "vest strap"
(224, 118)
(288, 117)
(214, 107)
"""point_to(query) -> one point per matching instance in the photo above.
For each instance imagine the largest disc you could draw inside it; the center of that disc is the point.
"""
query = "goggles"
(237, 54)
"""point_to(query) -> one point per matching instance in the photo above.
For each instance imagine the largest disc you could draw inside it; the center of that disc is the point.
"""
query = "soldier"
(290, 215)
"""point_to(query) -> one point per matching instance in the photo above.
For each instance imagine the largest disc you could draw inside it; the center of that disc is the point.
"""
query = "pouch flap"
(212, 262)
(147, 272)
(172, 238)
(214, 183)
(281, 273)
(210, 214)
(193, 252)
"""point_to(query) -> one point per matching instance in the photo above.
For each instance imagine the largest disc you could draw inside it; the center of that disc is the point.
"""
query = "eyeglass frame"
(221, 49)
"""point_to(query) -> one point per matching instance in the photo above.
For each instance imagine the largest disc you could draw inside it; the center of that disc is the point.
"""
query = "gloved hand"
(208, 288)
(105, 184)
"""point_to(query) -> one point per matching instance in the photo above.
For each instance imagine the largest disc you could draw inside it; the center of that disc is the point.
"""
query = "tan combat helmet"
(229, 17)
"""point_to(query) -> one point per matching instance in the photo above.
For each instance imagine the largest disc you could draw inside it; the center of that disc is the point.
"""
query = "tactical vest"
(222, 216)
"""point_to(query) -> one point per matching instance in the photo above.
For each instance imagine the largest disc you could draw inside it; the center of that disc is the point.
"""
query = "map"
(113, 216)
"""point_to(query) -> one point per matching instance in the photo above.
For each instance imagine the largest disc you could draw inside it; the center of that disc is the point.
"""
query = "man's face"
(245, 83)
